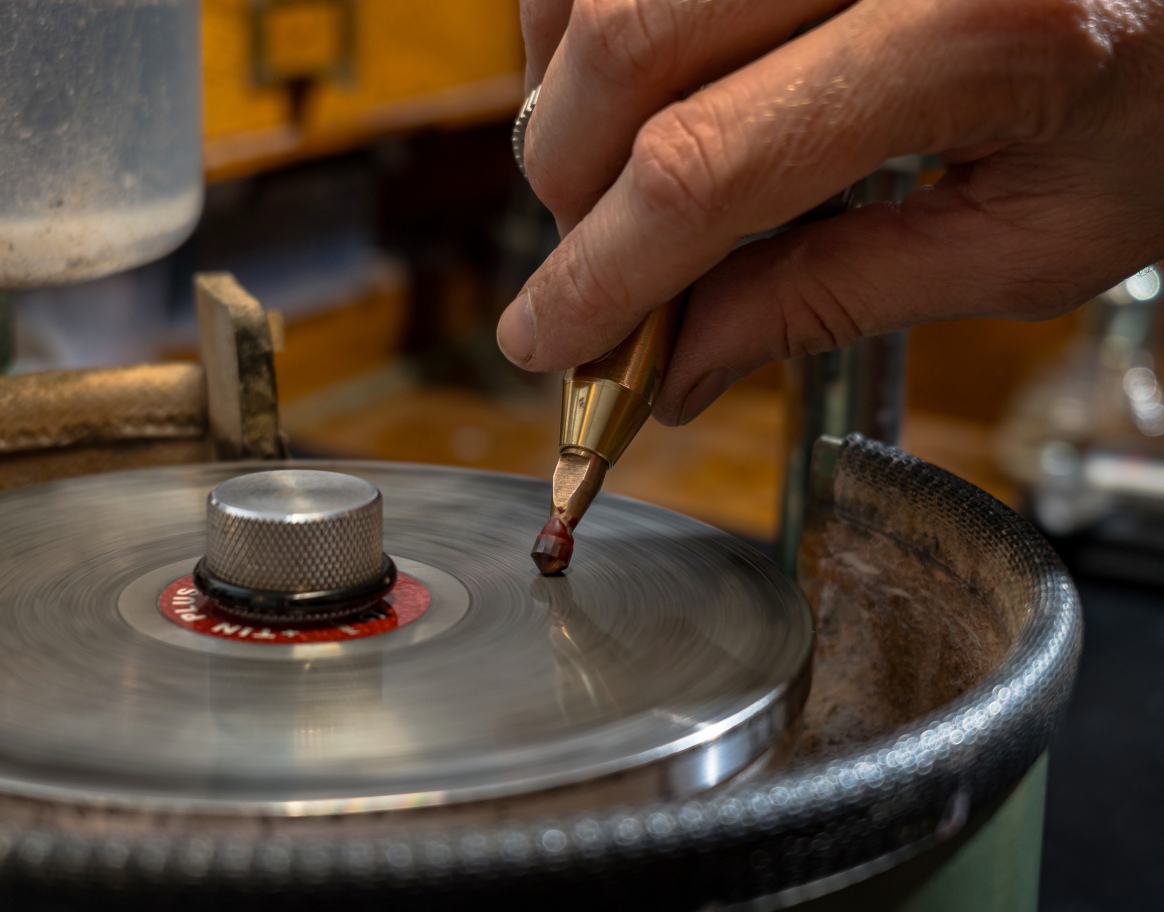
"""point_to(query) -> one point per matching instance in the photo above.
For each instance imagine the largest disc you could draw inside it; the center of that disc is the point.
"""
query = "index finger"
(543, 23)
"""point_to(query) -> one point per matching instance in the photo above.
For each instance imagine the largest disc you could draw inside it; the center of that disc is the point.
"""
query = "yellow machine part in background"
(290, 79)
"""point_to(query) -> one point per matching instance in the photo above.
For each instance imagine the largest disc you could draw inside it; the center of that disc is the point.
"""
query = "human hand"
(1049, 115)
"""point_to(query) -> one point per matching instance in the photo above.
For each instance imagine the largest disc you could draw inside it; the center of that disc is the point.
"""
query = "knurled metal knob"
(293, 540)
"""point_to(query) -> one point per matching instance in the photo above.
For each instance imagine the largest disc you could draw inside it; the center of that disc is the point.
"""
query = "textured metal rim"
(745, 636)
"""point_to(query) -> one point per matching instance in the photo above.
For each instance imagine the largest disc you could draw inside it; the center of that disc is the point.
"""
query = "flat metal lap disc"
(669, 645)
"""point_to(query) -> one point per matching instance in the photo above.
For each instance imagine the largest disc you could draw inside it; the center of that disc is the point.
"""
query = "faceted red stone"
(553, 547)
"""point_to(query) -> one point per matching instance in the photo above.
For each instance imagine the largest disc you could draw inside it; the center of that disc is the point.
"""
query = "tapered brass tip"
(577, 480)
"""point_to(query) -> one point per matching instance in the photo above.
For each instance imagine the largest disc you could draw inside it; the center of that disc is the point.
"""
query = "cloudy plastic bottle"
(100, 135)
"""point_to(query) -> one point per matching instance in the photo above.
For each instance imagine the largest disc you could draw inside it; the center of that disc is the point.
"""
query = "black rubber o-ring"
(293, 604)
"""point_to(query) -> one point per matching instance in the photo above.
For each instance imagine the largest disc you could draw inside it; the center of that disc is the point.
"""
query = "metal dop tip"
(293, 537)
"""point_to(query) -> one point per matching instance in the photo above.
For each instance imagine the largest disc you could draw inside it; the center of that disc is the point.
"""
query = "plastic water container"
(100, 135)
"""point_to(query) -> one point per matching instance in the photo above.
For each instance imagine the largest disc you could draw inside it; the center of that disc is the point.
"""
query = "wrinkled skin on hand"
(1049, 115)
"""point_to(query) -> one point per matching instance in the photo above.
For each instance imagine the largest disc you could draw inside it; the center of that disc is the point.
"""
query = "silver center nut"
(295, 531)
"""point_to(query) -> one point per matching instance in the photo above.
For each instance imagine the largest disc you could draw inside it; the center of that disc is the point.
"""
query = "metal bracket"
(296, 41)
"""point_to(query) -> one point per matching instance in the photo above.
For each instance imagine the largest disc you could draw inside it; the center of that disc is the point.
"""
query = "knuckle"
(1052, 50)
(624, 41)
(680, 166)
(1040, 297)
(817, 320)
(1070, 31)
(813, 117)
(589, 298)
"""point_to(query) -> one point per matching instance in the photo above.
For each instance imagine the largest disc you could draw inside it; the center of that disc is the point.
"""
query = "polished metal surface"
(778, 833)
(672, 648)
(294, 530)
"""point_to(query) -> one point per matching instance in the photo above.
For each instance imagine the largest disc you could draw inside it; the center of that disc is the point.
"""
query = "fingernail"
(705, 392)
(515, 331)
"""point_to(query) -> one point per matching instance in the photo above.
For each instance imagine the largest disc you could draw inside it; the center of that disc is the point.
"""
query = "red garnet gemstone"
(553, 548)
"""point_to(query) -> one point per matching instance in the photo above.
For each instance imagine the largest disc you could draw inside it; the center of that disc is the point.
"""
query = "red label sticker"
(183, 604)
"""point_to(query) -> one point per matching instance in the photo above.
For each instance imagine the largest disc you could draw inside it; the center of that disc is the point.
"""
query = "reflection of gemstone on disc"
(669, 649)
(183, 604)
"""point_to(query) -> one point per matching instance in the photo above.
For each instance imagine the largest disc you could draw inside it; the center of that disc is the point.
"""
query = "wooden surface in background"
(724, 468)
(970, 369)
(721, 468)
(344, 340)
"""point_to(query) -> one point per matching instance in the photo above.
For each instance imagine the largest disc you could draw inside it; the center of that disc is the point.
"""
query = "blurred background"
(360, 182)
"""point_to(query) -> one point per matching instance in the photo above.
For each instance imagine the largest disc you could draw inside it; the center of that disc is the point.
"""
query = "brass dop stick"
(604, 403)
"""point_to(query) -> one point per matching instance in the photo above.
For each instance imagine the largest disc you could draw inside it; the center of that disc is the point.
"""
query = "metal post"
(857, 389)
(7, 332)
